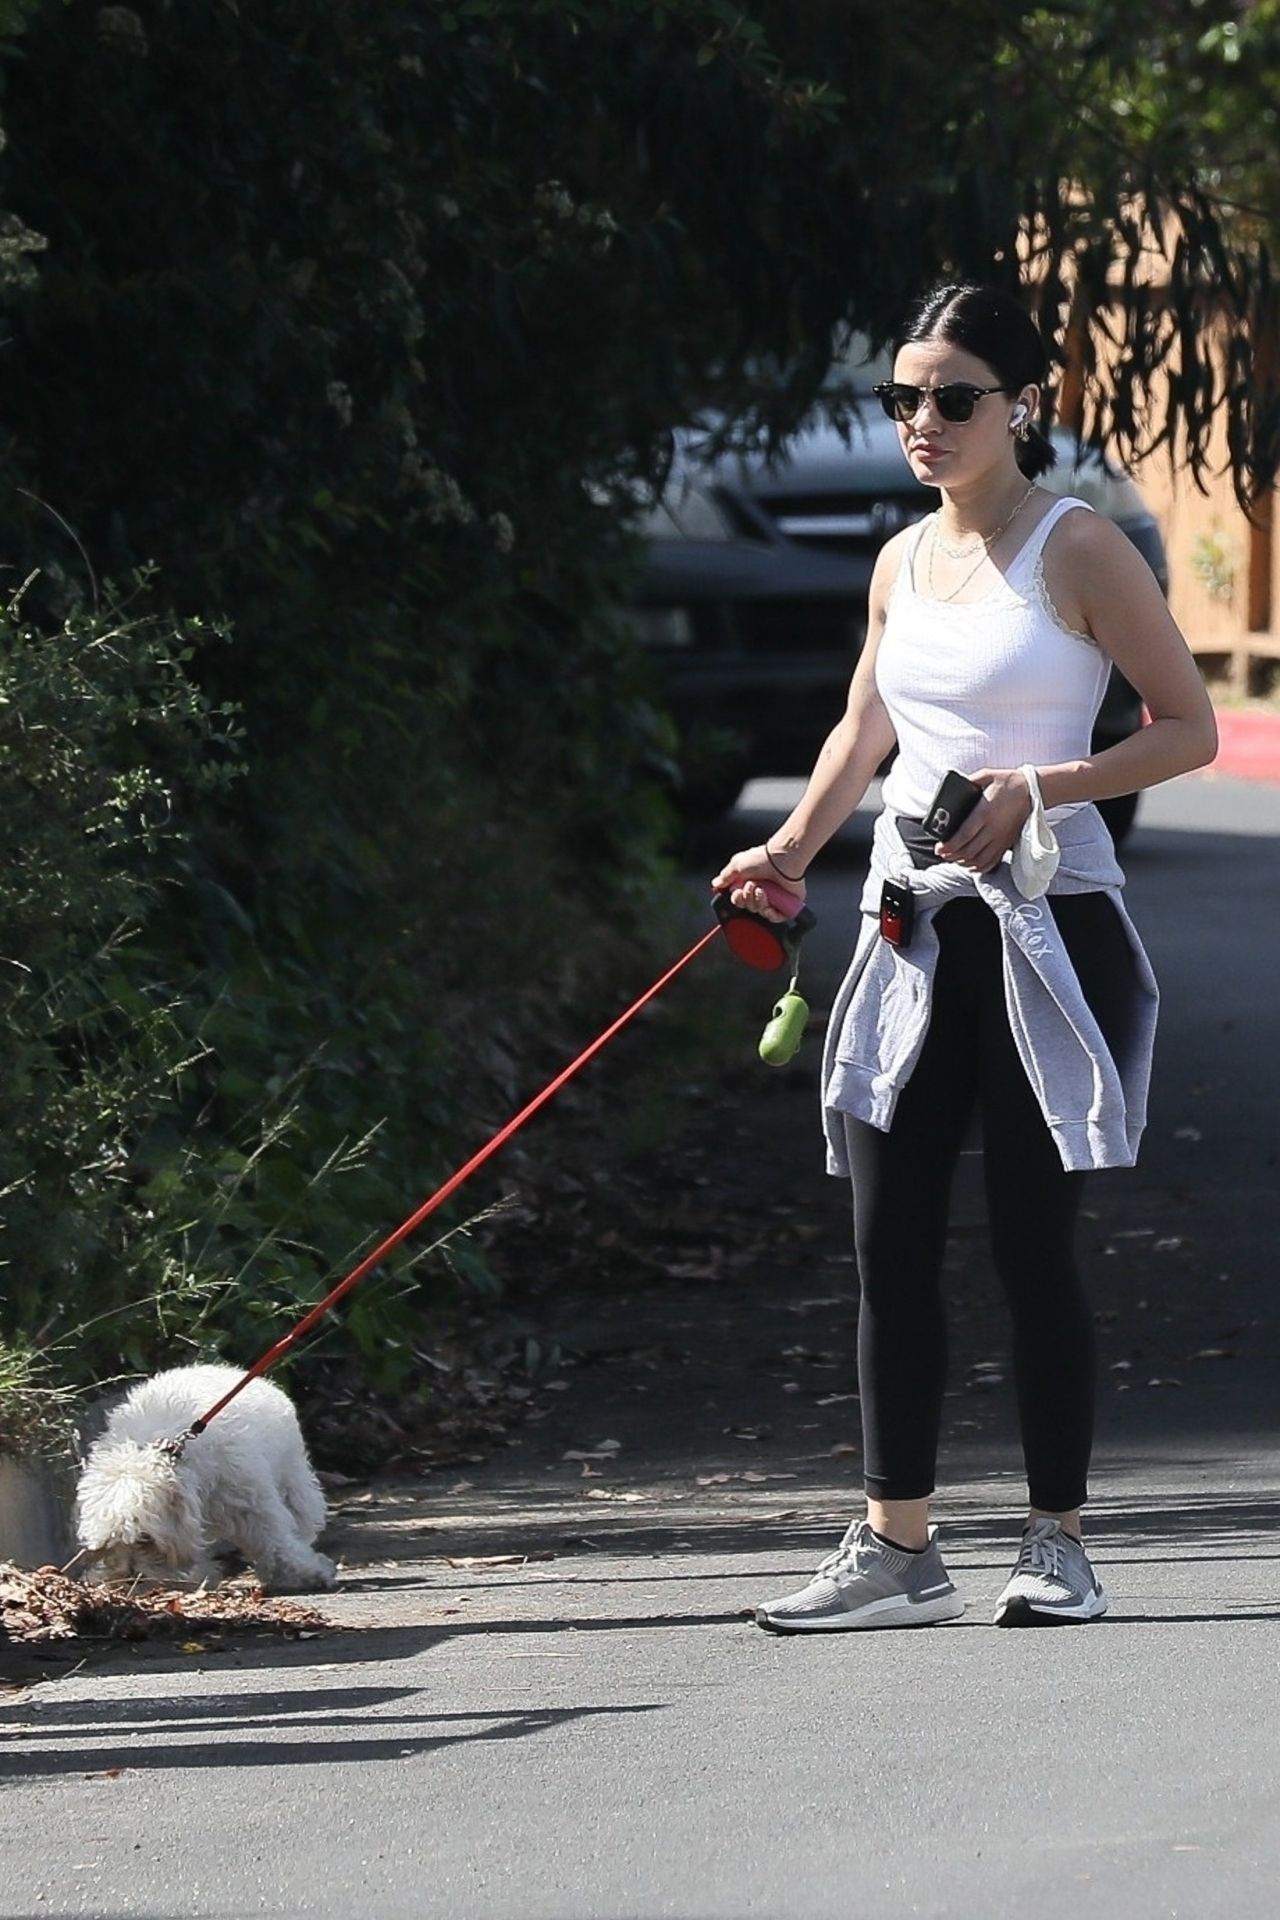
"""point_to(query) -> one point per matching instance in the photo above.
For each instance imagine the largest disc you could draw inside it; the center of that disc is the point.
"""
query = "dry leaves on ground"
(47, 1605)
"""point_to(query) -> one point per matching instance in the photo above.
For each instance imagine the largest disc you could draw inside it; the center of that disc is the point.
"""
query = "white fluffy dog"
(245, 1481)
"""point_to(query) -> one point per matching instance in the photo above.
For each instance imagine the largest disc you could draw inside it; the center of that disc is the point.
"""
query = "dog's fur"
(245, 1481)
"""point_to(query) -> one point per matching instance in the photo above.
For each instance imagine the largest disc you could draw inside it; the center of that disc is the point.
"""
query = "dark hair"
(996, 329)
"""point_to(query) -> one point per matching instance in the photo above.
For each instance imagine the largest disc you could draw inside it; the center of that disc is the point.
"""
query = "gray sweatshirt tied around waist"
(1094, 1105)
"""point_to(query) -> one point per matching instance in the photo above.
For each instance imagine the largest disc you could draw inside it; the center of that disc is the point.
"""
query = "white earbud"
(1019, 415)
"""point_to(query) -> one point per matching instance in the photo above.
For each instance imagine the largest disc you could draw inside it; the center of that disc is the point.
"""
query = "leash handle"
(761, 943)
(781, 899)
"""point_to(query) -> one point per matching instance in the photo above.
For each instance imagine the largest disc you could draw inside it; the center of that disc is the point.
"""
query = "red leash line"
(450, 1187)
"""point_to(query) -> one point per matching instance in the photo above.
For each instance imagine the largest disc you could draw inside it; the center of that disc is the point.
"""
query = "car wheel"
(1119, 816)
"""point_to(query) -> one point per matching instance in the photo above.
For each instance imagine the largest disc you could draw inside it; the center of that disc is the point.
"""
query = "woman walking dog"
(996, 966)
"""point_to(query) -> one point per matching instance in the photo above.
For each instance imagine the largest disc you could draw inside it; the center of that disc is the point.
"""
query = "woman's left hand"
(995, 823)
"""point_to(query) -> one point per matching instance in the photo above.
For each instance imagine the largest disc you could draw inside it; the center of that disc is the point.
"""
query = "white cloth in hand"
(1035, 854)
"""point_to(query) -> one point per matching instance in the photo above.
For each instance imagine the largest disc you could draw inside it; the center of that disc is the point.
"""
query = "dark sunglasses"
(955, 402)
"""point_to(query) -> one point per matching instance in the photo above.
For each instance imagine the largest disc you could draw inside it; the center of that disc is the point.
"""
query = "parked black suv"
(754, 597)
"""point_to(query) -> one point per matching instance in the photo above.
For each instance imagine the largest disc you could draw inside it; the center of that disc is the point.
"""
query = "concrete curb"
(35, 1512)
(1248, 743)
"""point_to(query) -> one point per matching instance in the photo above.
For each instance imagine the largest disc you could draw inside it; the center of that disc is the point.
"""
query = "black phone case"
(951, 805)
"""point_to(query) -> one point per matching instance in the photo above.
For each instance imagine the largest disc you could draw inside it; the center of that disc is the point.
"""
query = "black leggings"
(901, 1193)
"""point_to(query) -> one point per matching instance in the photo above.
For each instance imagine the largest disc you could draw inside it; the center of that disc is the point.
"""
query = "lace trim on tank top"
(1038, 586)
(1044, 601)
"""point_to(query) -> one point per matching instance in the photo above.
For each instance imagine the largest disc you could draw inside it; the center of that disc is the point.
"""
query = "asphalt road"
(599, 1734)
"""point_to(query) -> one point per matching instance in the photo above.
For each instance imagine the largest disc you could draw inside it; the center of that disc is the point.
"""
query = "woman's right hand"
(741, 877)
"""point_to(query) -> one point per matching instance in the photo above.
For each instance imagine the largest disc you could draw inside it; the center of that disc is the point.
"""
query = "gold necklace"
(986, 546)
(957, 553)
(983, 540)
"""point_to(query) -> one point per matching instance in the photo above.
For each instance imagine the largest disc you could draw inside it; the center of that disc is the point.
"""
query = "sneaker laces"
(1042, 1553)
(842, 1558)
(848, 1555)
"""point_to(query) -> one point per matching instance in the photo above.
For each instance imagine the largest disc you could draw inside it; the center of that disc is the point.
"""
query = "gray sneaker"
(1052, 1584)
(864, 1583)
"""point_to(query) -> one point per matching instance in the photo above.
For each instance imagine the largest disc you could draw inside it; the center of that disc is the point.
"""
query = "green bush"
(106, 745)
(35, 1407)
(213, 1105)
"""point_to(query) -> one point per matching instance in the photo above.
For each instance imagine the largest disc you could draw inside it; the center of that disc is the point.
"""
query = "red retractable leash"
(761, 943)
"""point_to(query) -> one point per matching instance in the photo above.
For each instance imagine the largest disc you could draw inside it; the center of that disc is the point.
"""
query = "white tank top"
(995, 682)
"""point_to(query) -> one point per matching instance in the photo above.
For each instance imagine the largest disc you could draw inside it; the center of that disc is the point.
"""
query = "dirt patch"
(46, 1610)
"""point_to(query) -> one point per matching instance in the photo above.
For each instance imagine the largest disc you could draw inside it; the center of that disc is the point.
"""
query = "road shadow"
(209, 1649)
(327, 1716)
